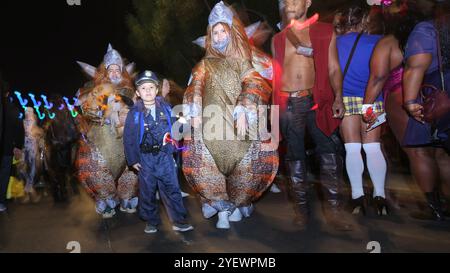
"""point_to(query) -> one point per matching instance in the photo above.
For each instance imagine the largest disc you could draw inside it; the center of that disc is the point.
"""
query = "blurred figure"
(307, 86)
(33, 155)
(61, 136)
(12, 138)
(424, 65)
(355, 48)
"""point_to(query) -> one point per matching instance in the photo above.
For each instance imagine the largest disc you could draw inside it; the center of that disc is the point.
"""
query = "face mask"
(116, 81)
(221, 46)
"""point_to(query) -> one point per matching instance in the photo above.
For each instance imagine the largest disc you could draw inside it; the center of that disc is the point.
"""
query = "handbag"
(435, 101)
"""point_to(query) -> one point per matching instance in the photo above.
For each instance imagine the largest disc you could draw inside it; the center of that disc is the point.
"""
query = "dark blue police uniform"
(143, 141)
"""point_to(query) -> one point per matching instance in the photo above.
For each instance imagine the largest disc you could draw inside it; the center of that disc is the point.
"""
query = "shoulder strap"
(347, 66)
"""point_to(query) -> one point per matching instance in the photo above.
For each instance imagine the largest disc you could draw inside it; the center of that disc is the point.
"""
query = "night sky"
(41, 40)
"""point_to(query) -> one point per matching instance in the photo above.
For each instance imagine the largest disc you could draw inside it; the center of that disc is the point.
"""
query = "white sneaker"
(247, 211)
(223, 222)
(157, 195)
(128, 210)
(182, 227)
(131, 210)
(2, 208)
(109, 215)
(236, 216)
(275, 188)
(208, 211)
(184, 194)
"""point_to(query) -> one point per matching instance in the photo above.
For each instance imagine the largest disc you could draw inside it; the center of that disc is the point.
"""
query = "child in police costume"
(147, 129)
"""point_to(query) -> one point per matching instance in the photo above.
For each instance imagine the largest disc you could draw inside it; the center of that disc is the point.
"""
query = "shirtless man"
(308, 89)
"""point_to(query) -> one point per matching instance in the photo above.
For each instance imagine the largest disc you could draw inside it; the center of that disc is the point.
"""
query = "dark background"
(42, 40)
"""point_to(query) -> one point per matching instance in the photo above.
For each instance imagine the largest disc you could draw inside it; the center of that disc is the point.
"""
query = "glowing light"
(306, 24)
(22, 101)
(72, 110)
(33, 98)
(50, 115)
(47, 105)
(40, 115)
(315, 107)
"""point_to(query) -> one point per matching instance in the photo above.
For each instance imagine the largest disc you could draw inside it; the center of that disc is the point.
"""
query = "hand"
(241, 125)
(137, 167)
(165, 88)
(370, 119)
(415, 110)
(338, 108)
(17, 154)
(196, 122)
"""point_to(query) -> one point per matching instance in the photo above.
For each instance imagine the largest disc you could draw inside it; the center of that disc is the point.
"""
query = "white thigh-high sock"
(355, 168)
(376, 163)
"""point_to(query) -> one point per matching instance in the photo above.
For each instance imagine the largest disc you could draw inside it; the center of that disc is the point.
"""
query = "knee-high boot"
(331, 172)
(298, 191)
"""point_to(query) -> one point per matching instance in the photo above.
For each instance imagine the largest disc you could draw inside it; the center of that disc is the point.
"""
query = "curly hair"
(354, 16)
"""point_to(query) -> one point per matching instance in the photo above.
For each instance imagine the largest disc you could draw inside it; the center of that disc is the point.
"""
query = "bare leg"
(443, 161)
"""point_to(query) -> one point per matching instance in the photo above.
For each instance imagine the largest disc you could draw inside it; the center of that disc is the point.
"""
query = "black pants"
(5, 172)
(294, 123)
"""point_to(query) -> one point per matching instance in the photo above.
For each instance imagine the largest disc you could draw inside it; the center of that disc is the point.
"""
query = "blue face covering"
(221, 46)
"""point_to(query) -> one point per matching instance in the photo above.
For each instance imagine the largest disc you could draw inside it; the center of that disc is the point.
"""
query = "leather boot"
(331, 171)
(298, 191)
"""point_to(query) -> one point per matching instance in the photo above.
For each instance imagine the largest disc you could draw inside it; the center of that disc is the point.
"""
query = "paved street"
(48, 227)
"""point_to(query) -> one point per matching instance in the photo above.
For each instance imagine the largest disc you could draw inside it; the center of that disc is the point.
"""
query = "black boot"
(331, 170)
(434, 203)
(298, 190)
(381, 206)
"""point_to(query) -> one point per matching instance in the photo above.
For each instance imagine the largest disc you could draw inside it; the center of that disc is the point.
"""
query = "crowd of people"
(334, 83)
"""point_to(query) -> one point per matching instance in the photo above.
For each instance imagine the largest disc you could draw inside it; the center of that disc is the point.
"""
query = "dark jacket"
(134, 130)
(13, 134)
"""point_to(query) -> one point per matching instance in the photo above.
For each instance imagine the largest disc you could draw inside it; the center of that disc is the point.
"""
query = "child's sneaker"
(128, 210)
(149, 229)
(131, 210)
(182, 227)
(184, 194)
(109, 213)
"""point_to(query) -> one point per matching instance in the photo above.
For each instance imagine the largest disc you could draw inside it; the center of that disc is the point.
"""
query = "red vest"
(321, 34)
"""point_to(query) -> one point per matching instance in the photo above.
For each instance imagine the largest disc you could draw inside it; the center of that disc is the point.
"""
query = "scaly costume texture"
(101, 165)
(227, 173)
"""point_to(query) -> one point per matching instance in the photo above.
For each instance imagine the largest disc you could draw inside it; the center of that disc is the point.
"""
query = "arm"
(255, 92)
(416, 67)
(129, 139)
(336, 80)
(193, 95)
(379, 73)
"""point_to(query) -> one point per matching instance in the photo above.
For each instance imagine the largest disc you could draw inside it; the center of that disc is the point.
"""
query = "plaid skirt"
(353, 106)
